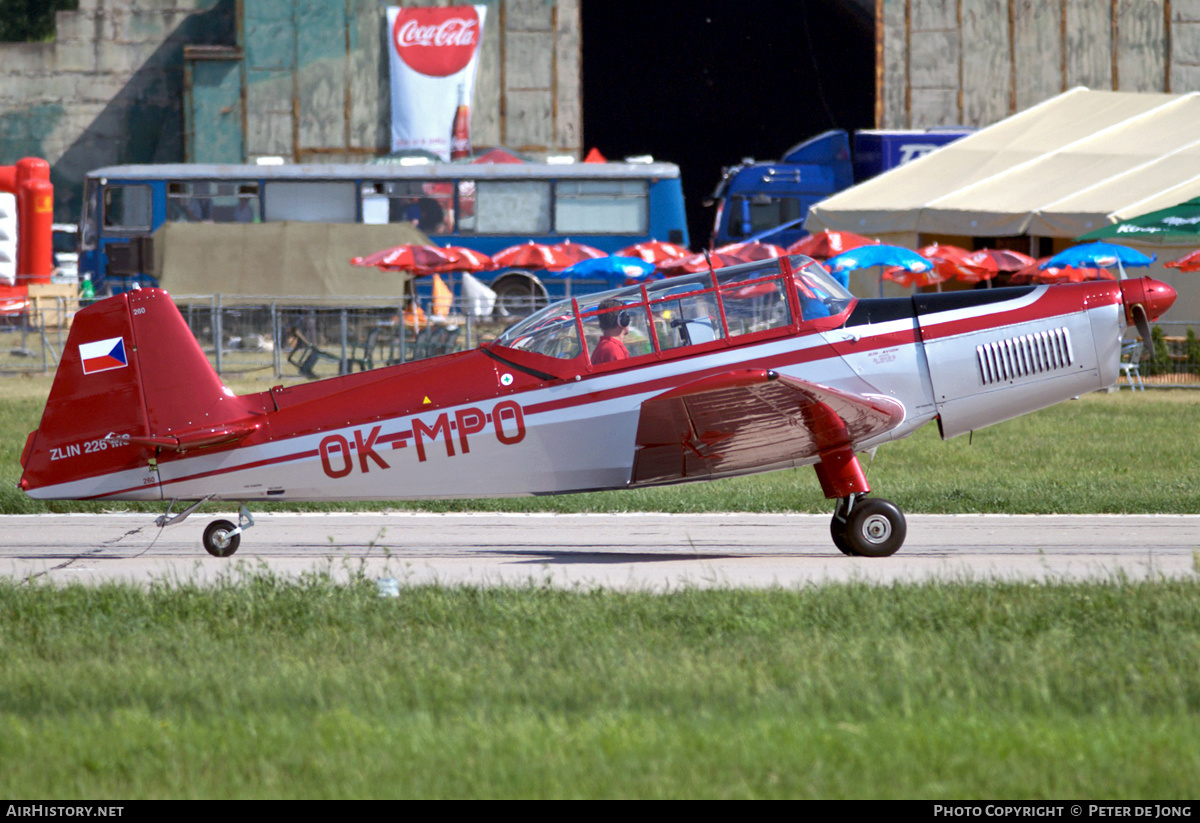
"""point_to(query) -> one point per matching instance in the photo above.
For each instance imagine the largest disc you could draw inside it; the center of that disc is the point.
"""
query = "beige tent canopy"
(302, 261)
(1077, 162)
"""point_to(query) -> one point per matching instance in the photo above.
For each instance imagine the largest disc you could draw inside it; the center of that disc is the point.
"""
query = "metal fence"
(286, 338)
(1174, 357)
(290, 339)
(276, 336)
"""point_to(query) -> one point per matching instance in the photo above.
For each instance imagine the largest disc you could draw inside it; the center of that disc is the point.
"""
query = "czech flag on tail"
(103, 355)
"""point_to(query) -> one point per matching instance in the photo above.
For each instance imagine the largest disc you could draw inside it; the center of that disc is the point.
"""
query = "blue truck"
(768, 200)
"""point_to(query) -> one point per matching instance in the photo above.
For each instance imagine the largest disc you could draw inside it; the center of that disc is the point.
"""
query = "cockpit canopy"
(684, 311)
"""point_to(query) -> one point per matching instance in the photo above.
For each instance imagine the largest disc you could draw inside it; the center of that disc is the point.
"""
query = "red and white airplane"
(747, 369)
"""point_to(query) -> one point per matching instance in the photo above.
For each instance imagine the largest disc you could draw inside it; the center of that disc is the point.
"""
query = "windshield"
(684, 311)
(550, 331)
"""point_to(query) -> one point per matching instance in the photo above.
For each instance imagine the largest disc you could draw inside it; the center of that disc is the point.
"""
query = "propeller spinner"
(1145, 299)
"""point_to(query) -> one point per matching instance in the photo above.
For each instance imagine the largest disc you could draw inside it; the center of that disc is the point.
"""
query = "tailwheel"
(221, 538)
(868, 527)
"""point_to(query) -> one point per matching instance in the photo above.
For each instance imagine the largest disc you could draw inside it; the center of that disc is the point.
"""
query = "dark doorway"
(704, 84)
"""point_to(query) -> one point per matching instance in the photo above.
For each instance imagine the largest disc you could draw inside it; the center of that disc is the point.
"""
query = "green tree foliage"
(30, 21)
(1160, 357)
(1191, 351)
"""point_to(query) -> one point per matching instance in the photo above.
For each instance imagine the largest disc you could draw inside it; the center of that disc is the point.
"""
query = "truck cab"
(769, 200)
(753, 197)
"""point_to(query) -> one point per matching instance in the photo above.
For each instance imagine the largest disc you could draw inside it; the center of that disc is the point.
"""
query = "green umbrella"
(1178, 224)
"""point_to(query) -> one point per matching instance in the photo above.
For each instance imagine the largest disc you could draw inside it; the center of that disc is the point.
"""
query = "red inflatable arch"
(29, 180)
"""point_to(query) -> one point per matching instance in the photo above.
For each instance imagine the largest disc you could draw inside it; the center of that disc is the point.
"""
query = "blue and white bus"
(486, 207)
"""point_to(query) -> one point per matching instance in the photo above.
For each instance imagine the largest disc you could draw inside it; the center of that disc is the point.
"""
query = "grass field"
(264, 689)
(261, 688)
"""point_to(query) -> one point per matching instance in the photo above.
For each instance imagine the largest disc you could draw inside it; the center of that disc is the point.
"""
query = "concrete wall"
(322, 94)
(107, 90)
(110, 88)
(973, 62)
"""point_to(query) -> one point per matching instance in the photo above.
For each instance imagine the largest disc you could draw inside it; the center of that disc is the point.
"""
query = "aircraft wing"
(747, 419)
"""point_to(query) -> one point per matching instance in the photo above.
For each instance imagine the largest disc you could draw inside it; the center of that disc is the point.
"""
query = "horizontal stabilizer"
(195, 440)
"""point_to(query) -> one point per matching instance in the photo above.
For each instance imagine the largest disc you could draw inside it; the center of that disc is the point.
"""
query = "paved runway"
(630, 551)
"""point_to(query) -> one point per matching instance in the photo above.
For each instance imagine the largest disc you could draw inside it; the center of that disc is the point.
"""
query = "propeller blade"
(1143, 326)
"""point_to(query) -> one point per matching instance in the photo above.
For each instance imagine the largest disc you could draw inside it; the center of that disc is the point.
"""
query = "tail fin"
(132, 380)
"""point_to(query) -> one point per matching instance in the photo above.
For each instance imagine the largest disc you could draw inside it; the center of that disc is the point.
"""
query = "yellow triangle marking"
(426, 401)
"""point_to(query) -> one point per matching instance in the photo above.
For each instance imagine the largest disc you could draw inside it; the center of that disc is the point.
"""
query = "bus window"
(427, 204)
(212, 201)
(601, 207)
(685, 311)
(466, 204)
(519, 207)
(127, 208)
(323, 201)
(754, 300)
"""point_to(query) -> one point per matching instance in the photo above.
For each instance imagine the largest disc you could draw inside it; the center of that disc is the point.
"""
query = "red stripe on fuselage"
(1054, 301)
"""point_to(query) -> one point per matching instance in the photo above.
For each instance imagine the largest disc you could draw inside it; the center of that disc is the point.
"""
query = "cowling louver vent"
(1024, 356)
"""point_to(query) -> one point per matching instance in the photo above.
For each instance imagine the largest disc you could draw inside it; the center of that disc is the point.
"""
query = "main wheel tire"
(875, 528)
(218, 540)
(837, 530)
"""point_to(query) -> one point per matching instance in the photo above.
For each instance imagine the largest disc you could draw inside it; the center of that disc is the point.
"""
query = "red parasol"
(531, 255)
(578, 252)
(828, 243)
(699, 262)
(1002, 259)
(496, 155)
(908, 279)
(1187, 263)
(1058, 274)
(409, 257)
(655, 251)
(955, 262)
(464, 259)
(753, 250)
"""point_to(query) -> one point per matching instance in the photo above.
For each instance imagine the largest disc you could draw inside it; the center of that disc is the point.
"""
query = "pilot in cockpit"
(614, 323)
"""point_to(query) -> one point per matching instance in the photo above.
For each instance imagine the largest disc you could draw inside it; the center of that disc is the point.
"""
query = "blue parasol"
(613, 267)
(864, 257)
(1099, 255)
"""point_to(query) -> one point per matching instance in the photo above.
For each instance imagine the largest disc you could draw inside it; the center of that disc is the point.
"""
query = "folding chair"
(1131, 356)
(305, 355)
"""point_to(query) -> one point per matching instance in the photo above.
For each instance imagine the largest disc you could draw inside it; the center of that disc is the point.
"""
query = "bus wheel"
(518, 294)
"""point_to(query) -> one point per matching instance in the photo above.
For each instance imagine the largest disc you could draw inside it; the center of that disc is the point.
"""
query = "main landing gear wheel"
(221, 538)
(872, 528)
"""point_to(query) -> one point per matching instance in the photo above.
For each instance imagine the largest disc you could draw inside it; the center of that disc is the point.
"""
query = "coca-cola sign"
(433, 54)
(436, 42)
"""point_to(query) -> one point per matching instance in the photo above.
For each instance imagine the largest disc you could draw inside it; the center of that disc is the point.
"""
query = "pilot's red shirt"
(608, 350)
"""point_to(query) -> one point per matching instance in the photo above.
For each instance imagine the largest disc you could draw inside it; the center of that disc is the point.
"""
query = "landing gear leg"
(169, 519)
(222, 538)
(861, 525)
(838, 526)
